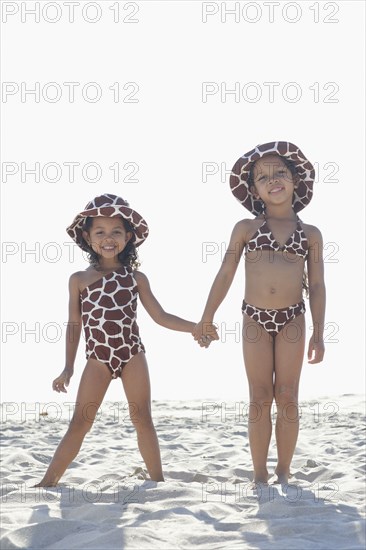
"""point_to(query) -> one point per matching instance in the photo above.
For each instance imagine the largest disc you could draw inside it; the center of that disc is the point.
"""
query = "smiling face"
(273, 181)
(107, 236)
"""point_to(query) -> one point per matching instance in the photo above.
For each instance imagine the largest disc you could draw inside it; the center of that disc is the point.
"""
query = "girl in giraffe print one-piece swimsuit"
(103, 299)
(274, 181)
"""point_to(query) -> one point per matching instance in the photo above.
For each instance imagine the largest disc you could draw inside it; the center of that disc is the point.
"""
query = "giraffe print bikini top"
(263, 239)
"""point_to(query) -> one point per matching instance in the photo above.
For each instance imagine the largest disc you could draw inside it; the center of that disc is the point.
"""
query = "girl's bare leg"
(259, 364)
(136, 383)
(289, 353)
(93, 386)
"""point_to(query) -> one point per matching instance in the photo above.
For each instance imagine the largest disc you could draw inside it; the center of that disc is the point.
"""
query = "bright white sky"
(162, 143)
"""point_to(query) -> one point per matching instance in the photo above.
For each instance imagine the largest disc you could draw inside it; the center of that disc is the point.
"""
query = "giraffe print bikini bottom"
(273, 320)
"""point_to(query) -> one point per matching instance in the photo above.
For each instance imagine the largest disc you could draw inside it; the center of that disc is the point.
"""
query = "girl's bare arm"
(317, 294)
(73, 331)
(223, 279)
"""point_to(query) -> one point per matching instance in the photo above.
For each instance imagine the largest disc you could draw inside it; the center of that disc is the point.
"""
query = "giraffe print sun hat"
(241, 170)
(109, 206)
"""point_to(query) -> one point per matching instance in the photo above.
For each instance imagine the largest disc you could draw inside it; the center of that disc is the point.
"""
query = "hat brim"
(140, 227)
(241, 170)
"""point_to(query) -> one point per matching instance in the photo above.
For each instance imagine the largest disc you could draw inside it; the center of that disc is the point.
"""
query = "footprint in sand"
(311, 463)
(139, 472)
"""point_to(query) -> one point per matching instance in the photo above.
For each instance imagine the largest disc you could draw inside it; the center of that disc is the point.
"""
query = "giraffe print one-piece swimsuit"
(108, 309)
(274, 320)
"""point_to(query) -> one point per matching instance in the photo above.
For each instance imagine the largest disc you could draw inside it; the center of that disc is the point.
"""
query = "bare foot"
(260, 476)
(281, 478)
(45, 484)
(257, 486)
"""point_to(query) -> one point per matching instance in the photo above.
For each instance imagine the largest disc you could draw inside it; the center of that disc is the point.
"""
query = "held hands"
(316, 350)
(204, 333)
(61, 381)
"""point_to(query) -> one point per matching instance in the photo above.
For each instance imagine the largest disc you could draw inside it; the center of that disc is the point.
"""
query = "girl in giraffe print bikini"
(103, 298)
(273, 181)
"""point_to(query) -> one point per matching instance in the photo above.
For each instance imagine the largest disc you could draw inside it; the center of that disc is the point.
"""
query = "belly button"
(273, 290)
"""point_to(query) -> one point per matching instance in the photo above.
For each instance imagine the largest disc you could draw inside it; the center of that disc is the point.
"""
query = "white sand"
(104, 500)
